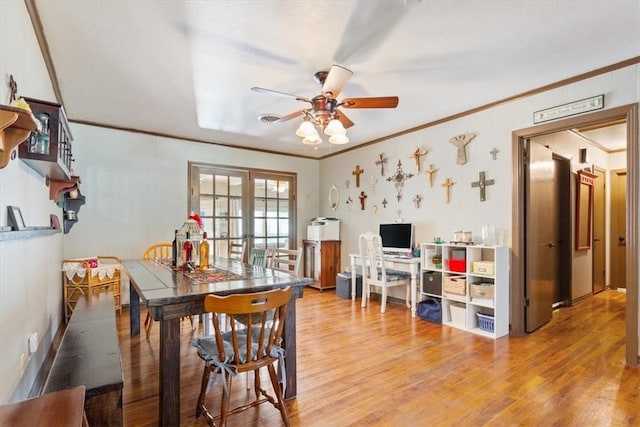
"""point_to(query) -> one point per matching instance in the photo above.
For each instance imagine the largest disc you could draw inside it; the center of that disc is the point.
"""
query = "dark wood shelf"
(15, 126)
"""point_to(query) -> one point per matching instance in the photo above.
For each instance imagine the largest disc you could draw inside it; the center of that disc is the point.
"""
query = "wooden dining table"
(170, 294)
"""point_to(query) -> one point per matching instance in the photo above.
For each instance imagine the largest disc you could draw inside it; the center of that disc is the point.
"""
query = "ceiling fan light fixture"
(312, 140)
(306, 129)
(339, 139)
(334, 127)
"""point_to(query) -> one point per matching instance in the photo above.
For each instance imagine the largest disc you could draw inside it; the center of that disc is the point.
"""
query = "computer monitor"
(397, 237)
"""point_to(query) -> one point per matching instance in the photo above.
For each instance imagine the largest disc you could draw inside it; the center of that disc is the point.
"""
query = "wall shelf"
(15, 126)
(29, 233)
(57, 187)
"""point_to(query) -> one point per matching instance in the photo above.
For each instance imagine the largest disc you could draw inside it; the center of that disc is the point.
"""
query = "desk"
(412, 265)
(170, 295)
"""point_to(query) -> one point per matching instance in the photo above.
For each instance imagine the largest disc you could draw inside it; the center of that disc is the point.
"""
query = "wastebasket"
(343, 285)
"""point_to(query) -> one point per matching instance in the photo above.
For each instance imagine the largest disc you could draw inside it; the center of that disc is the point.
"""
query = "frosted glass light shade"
(305, 129)
(339, 139)
(335, 128)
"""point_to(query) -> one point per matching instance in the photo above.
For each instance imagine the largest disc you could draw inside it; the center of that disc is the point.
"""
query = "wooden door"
(599, 231)
(618, 228)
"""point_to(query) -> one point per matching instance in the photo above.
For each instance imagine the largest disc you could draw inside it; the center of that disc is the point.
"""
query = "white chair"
(237, 250)
(374, 272)
(286, 260)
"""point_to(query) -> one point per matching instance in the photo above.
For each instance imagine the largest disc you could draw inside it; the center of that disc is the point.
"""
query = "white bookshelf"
(457, 262)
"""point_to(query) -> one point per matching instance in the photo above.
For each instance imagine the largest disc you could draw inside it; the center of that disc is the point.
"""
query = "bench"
(58, 409)
(89, 355)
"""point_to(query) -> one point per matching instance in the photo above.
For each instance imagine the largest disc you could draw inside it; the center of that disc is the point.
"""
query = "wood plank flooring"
(358, 367)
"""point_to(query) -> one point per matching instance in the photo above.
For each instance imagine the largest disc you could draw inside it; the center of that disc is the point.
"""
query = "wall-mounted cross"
(381, 162)
(357, 171)
(13, 88)
(398, 179)
(416, 156)
(372, 183)
(430, 172)
(482, 183)
(447, 185)
(362, 197)
(384, 203)
(494, 153)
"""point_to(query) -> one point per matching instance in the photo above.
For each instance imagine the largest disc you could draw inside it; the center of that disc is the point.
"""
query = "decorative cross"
(416, 156)
(349, 201)
(362, 197)
(372, 183)
(346, 184)
(381, 162)
(461, 142)
(430, 172)
(494, 153)
(416, 200)
(13, 88)
(482, 183)
(398, 179)
(374, 208)
(384, 203)
(357, 171)
(447, 184)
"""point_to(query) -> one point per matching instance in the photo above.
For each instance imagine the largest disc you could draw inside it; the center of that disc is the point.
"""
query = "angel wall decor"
(461, 142)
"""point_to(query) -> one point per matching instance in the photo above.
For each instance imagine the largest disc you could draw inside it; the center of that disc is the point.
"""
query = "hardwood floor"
(360, 367)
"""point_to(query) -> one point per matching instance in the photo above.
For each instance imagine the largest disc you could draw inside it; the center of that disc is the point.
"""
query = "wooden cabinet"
(322, 262)
(48, 151)
(15, 127)
(90, 276)
(472, 283)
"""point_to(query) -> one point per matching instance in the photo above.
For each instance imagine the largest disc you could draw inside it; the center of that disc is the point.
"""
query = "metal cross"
(398, 179)
(430, 172)
(384, 203)
(381, 162)
(416, 156)
(13, 88)
(447, 185)
(494, 153)
(482, 183)
(357, 171)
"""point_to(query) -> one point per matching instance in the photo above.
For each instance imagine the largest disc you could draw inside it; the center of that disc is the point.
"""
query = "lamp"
(339, 139)
(306, 129)
(334, 128)
(325, 121)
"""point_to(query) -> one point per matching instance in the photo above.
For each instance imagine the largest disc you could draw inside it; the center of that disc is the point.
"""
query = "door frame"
(629, 113)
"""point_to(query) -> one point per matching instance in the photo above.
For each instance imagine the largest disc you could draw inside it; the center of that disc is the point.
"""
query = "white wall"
(30, 289)
(435, 218)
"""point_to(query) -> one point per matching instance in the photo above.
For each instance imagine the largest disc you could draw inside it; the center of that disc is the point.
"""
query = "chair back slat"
(158, 251)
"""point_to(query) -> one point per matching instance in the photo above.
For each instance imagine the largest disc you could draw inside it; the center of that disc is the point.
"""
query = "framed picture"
(55, 222)
(15, 218)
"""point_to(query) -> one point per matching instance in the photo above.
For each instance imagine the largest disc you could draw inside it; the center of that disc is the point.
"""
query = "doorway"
(629, 114)
(618, 228)
(599, 270)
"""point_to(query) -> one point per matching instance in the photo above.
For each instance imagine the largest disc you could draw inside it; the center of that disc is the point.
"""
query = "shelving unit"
(468, 280)
(15, 126)
(322, 262)
(71, 205)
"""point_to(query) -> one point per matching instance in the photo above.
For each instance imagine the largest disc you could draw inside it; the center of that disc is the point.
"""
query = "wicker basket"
(456, 285)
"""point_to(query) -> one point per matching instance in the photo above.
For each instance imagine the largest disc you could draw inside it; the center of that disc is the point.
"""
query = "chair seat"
(208, 350)
(394, 275)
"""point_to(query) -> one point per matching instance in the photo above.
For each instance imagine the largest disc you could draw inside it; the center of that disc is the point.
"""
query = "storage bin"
(483, 291)
(456, 285)
(432, 282)
(458, 265)
(430, 309)
(485, 322)
(343, 285)
(483, 267)
(457, 314)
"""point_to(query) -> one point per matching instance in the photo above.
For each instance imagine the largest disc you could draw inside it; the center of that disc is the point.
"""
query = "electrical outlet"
(23, 363)
(33, 343)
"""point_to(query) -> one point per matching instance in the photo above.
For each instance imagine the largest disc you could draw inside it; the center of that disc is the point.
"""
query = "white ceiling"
(185, 68)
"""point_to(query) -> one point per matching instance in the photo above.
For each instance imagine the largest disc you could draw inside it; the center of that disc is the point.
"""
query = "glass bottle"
(187, 249)
(174, 249)
(204, 252)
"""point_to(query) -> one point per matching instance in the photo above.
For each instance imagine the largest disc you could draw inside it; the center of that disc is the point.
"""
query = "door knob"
(549, 245)
(621, 240)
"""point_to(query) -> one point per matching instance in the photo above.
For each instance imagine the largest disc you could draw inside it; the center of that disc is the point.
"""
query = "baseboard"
(38, 383)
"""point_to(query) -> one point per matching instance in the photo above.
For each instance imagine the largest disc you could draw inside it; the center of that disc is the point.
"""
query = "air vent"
(268, 118)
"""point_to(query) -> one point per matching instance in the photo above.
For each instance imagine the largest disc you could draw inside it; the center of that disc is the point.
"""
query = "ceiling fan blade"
(275, 92)
(346, 122)
(291, 116)
(373, 102)
(336, 79)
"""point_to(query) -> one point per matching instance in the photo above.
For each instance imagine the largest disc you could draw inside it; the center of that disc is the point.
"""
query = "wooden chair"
(156, 252)
(225, 353)
(374, 272)
(237, 250)
(286, 260)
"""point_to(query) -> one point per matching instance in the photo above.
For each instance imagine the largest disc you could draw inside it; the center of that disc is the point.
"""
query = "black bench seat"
(89, 355)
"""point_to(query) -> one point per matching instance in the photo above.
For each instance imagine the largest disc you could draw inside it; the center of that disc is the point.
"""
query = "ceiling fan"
(324, 107)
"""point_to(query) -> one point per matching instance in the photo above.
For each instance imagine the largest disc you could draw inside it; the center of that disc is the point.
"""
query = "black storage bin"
(343, 285)
(430, 309)
(432, 282)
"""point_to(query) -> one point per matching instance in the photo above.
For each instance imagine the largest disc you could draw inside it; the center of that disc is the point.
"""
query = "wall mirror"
(334, 197)
(584, 209)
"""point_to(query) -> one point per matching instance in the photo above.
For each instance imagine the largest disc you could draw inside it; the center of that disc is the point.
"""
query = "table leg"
(414, 287)
(290, 365)
(170, 372)
(353, 279)
(134, 311)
